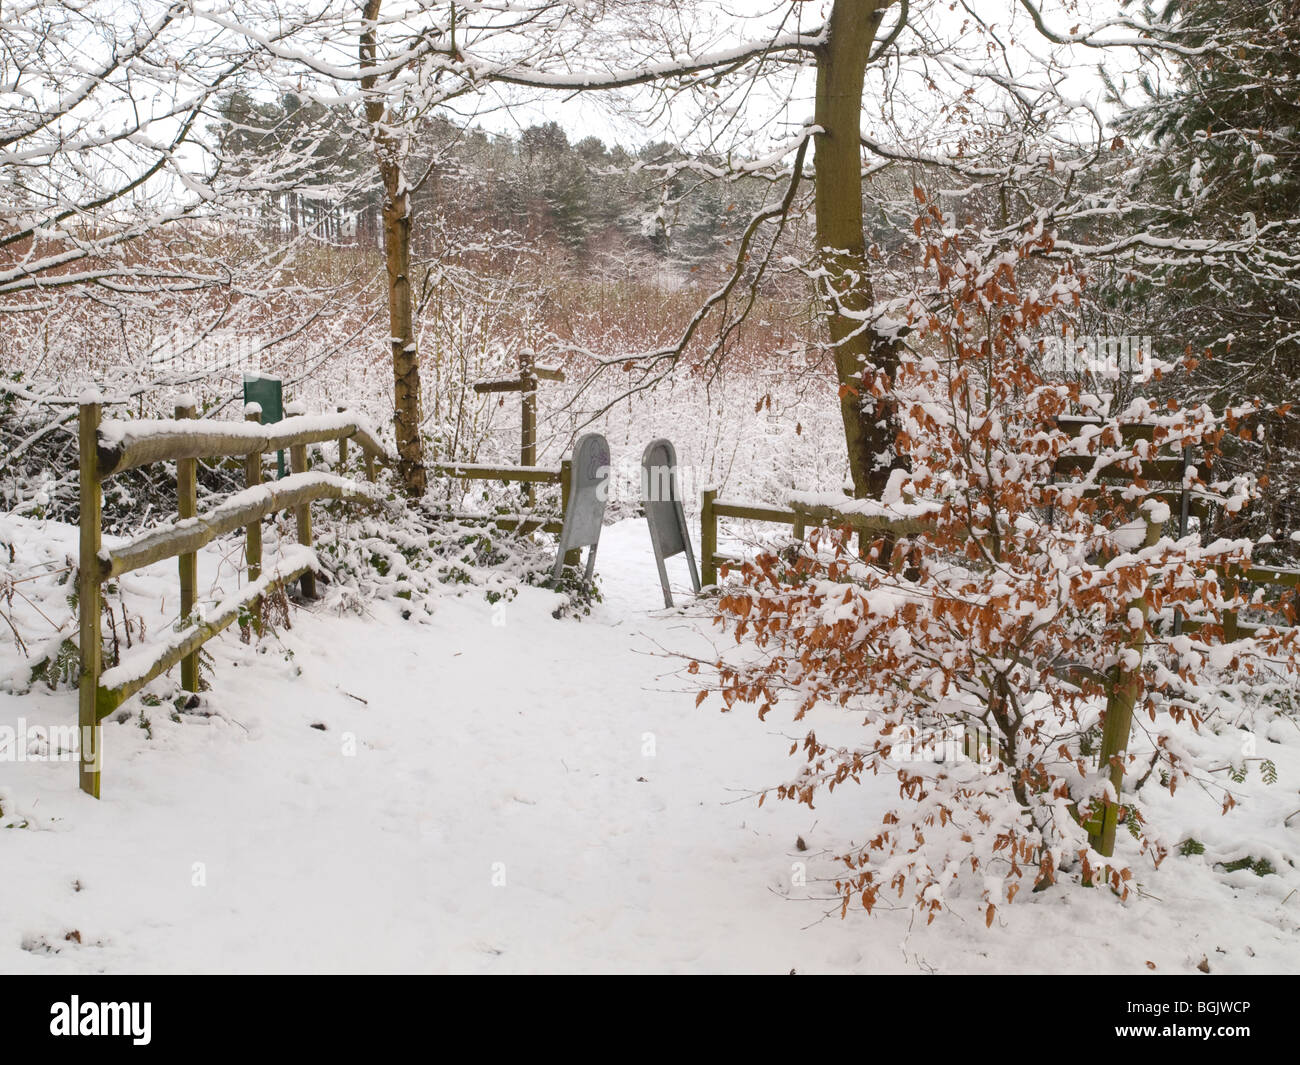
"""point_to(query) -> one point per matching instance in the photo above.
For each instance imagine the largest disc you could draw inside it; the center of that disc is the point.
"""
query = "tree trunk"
(396, 215)
(870, 425)
(401, 319)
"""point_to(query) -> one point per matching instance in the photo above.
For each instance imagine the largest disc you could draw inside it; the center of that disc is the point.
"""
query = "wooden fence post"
(1231, 633)
(708, 537)
(88, 598)
(343, 447)
(253, 532)
(298, 458)
(187, 506)
(370, 464)
(574, 557)
(1125, 689)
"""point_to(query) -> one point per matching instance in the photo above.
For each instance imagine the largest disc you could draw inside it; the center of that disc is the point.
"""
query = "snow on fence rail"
(108, 447)
(871, 517)
(864, 516)
(141, 665)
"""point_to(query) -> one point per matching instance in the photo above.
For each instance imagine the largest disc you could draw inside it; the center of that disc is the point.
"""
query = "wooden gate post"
(88, 598)
(187, 505)
(708, 537)
(574, 557)
(528, 421)
(343, 448)
(253, 532)
(528, 433)
(298, 457)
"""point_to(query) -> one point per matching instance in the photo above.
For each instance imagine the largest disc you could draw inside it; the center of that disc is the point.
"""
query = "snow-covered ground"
(494, 790)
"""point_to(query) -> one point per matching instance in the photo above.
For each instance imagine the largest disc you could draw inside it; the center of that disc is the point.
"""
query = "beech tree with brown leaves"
(1029, 614)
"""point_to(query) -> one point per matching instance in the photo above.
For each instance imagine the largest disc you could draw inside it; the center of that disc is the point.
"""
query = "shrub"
(1029, 618)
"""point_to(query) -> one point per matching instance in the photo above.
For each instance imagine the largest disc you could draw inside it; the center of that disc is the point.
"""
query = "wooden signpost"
(529, 377)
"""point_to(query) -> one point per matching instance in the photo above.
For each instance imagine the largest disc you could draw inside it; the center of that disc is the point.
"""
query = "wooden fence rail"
(531, 475)
(798, 515)
(110, 447)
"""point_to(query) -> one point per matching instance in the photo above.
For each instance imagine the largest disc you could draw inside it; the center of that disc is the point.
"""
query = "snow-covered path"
(525, 794)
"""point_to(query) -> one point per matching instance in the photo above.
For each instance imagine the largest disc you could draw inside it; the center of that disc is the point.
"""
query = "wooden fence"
(109, 447)
(530, 475)
(799, 516)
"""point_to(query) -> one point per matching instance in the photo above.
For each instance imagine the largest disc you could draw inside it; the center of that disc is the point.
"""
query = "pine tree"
(1220, 166)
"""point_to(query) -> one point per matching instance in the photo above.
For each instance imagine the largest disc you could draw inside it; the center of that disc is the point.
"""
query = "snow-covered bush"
(416, 558)
(1010, 620)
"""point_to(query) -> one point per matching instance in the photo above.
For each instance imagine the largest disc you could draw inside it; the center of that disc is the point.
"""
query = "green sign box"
(268, 393)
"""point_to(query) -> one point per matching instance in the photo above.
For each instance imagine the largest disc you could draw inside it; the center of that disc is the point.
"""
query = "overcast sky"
(775, 112)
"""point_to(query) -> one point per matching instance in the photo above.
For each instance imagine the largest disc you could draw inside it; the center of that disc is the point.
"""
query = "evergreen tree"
(1219, 163)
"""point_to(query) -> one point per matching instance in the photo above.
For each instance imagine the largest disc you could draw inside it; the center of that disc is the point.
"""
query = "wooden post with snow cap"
(88, 593)
(187, 506)
(253, 531)
(1125, 689)
(302, 514)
